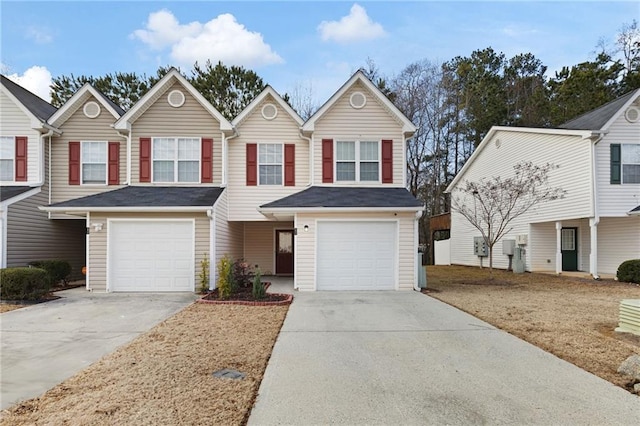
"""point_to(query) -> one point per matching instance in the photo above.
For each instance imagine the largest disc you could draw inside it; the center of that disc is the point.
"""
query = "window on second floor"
(270, 164)
(7, 158)
(94, 162)
(176, 159)
(625, 163)
(357, 161)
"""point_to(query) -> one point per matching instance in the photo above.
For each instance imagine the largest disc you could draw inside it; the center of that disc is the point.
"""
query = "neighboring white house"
(596, 226)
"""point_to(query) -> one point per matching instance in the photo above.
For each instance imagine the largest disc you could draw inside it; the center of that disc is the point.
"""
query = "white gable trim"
(496, 129)
(258, 99)
(621, 111)
(64, 112)
(36, 123)
(124, 123)
(407, 126)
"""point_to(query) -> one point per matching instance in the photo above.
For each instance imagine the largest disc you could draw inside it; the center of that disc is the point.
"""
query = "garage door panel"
(151, 256)
(358, 255)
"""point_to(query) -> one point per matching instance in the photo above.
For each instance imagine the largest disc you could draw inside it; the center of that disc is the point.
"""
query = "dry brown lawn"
(573, 318)
(6, 307)
(165, 375)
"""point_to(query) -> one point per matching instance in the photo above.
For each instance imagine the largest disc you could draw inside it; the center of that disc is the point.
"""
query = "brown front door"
(284, 252)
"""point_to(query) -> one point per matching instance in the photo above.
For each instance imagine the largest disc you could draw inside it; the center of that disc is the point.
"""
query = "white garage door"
(356, 255)
(151, 255)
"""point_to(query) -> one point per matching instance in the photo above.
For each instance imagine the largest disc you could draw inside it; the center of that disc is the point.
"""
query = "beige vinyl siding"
(189, 120)
(98, 243)
(15, 122)
(618, 240)
(306, 246)
(373, 122)
(616, 200)
(259, 244)
(32, 236)
(244, 200)
(229, 235)
(80, 128)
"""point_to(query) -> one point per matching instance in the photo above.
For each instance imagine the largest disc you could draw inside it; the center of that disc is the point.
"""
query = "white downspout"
(310, 144)
(212, 247)
(558, 247)
(595, 220)
(86, 262)
(3, 236)
(225, 150)
(416, 239)
(49, 177)
(42, 163)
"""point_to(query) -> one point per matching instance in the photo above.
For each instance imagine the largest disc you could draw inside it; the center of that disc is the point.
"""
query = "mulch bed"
(244, 296)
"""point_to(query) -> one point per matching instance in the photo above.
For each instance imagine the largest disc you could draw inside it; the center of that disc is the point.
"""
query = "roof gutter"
(158, 209)
(294, 210)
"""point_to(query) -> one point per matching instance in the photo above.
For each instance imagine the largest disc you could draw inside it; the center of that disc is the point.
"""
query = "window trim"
(258, 164)
(622, 163)
(357, 160)
(175, 160)
(13, 159)
(106, 164)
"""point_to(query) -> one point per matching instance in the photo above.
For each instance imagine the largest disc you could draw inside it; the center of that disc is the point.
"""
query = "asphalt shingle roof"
(322, 196)
(597, 118)
(114, 105)
(149, 196)
(38, 107)
(637, 209)
(7, 192)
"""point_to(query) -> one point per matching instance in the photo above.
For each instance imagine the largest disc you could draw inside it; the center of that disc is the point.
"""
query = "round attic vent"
(175, 98)
(358, 100)
(91, 109)
(632, 114)
(269, 111)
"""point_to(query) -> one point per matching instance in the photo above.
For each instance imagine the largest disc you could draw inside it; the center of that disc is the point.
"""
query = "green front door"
(569, 247)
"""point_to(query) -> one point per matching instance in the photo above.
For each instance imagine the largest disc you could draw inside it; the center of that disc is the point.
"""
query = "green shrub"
(225, 277)
(629, 271)
(59, 270)
(204, 274)
(24, 283)
(258, 291)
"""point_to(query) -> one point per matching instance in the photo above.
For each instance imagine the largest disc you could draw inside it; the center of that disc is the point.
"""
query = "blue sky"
(291, 44)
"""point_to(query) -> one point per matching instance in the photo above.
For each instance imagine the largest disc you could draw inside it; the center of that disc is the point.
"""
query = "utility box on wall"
(480, 248)
(508, 246)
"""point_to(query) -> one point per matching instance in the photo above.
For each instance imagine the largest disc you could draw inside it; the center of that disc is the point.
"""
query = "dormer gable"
(91, 100)
(267, 96)
(159, 89)
(37, 109)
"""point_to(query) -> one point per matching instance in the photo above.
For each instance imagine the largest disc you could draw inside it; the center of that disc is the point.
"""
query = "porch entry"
(569, 249)
(284, 251)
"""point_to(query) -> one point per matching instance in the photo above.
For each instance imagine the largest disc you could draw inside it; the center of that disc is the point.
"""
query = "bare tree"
(497, 202)
(302, 99)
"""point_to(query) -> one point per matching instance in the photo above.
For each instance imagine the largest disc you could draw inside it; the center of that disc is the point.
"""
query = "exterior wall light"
(306, 228)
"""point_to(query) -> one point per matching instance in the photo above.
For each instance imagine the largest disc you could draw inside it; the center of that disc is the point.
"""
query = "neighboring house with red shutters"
(324, 201)
(26, 233)
(596, 226)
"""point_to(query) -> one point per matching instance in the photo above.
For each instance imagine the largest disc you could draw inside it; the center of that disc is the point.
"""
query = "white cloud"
(36, 80)
(513, 30)
(356, 26)
(220, 39)
(39, 35)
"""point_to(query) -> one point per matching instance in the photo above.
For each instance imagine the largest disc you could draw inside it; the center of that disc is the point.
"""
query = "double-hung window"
(357, 161)
(270, 163)
(631, 163)
(7, 158)
(94, 162)
(176, 159)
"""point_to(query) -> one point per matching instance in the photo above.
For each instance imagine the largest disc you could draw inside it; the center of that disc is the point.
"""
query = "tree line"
(453, 103)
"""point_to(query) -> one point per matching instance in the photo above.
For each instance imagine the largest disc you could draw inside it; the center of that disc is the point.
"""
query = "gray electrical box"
(508, 246)
(518, 260)
(480, 247)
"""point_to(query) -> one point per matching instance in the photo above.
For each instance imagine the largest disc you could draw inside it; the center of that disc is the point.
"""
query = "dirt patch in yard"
(6, 307)
(573, 318)
(165, 375)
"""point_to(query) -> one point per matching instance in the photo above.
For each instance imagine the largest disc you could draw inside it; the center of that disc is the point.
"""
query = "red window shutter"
(114, 163)
(327, 160)
(206, 161)
(252, 164)
(74, 163)
(289, 164)
(145, 159)
(21, 158)
(387, 161)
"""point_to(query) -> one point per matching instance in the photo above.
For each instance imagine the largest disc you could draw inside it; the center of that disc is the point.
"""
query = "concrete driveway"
(44, 344)
(405, 358)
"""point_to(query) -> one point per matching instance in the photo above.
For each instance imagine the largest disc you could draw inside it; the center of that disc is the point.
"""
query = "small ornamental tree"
(496, 202)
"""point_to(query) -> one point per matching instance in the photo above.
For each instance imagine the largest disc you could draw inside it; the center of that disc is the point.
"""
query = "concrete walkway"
(405, 358)
(44, 344)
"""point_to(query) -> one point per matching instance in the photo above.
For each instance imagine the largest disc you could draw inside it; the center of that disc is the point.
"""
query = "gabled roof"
(37, 107)
(407, 126)
(635, 211)
(347, 197)
(78, 98)
(187, 198)
(161, 87)
(268, 91)
(602, 117)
